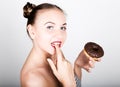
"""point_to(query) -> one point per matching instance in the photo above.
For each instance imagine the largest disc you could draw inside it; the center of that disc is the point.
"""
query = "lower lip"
(53, 45)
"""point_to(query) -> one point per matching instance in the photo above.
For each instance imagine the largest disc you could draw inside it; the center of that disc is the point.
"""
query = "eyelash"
(61, 28)
(49, 27)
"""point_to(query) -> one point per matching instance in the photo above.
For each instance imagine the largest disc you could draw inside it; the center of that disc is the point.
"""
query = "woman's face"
(49, 29)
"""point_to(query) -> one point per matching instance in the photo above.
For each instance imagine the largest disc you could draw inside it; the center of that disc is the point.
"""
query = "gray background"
(88, 20)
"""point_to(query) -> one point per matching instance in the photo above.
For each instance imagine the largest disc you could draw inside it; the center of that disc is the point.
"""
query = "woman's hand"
(84, 61)
(63, 69)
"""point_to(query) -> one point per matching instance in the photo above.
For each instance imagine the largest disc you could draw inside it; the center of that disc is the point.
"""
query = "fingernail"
(48, 60)
(90, 62)
(89, 70)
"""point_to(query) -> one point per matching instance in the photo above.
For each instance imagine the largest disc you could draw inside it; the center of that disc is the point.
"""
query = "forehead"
(53, 15)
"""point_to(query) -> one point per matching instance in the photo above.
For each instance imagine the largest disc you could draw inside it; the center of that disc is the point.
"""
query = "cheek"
(43, 39)
(44, 43)
(64, 38)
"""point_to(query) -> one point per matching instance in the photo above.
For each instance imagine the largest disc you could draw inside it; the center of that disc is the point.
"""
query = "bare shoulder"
(34, 79)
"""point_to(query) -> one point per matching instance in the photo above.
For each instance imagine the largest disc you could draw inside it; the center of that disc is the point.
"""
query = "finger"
(99, 59)
(87, 68)
(91, 64)
(59, 53)
(54, 59)
(52, 66)
(91, 59)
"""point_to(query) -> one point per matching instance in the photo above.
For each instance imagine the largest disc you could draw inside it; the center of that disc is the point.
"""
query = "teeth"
(56, 43)
(53, 44)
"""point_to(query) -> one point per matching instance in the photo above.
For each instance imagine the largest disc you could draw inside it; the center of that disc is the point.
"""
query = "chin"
(51, 51)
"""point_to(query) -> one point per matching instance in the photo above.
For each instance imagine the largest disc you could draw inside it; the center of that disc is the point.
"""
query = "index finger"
(59, 53)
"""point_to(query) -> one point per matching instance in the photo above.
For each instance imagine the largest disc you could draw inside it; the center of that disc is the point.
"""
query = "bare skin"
(63, 66)
(37, 75)
(46, 65)
(85, 62)
(43, 76)
(38, 70)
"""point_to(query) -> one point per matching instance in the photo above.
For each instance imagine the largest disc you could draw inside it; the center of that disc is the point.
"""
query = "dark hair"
(30, 10)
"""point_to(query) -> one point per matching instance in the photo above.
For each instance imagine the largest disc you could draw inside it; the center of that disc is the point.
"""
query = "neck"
(37, 58)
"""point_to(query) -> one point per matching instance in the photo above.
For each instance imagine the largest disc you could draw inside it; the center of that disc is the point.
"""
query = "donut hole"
(95, 49)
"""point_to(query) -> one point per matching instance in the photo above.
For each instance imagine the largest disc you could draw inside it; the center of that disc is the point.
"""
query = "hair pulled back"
(30, 10)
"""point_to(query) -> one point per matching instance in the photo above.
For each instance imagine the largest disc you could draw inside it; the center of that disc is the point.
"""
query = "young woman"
(46, 65)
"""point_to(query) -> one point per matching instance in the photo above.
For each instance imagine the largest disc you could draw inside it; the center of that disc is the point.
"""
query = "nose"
(59, 34)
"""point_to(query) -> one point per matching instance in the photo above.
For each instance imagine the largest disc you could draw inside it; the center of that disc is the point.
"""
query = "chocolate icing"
(94, 50)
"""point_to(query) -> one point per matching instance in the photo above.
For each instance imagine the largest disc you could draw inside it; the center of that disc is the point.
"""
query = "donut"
(94, 50)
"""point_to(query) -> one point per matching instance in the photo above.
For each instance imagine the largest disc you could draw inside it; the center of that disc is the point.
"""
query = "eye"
(50, 27)
(63, 28)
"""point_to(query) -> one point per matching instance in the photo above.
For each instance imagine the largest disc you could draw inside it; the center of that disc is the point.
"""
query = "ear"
(31, 31)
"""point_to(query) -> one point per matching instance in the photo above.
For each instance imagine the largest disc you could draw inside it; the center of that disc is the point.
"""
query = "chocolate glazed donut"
(93, 50)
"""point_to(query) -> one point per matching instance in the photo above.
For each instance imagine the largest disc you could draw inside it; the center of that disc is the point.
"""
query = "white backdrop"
(88, 20)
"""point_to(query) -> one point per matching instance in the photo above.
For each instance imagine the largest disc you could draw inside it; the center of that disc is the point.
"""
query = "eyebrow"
(54, 23)
(49, 22)
(65, 24)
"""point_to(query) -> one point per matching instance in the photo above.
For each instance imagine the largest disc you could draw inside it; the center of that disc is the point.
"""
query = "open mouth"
(56, 43)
